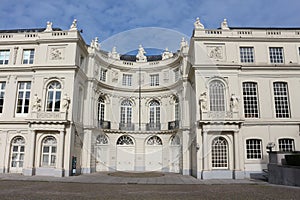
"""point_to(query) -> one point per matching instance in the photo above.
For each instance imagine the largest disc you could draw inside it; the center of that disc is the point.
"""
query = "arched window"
(217, 96)
(101, 140)
(101, 109)
(154, 112)
(17, 152)
(126, 112)
(49, 146)
(176, 107)
(154, 140)
(53, 96)
(219, 153)
(125, 140)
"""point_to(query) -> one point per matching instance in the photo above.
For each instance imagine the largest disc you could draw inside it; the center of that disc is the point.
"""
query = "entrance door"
(102, 154)
(175, 154)
(153, 154)
(17, 155)
(125, 154)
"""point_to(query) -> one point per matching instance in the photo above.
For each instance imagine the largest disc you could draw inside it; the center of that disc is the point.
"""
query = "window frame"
(278, 101)
(25, 98)
(286, 148)
(126, 112)
(154, 112)
(254, 153)
(5, 56)
(217, 104)
(247, 54)
(249, 99)
(101, 109)
(103, 73)
(219, 156)
(28, 59)
(50, 154)
(54, 98)
(127, 80)
(2, 95)
(154, 79)
(274, 58)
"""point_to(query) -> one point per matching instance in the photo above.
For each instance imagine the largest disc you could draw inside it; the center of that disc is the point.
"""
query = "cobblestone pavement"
(118, 186)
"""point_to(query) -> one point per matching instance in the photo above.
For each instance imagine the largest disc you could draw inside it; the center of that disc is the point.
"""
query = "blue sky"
(105, 18)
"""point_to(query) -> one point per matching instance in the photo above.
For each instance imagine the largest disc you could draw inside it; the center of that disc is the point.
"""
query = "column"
(238, 174)
(205, 150)
(30, 169)
(60, 156)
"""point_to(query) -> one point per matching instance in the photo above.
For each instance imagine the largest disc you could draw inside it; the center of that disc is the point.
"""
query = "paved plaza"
(138, 186)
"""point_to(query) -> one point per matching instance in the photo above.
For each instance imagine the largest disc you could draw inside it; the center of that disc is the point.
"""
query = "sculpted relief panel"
(57, 53)
(216, 52)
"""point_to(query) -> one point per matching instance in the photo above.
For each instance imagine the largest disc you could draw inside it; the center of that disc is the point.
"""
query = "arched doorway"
(101, 152)
(175, 154)
(125, 153)
(17, 154)
(153, 154)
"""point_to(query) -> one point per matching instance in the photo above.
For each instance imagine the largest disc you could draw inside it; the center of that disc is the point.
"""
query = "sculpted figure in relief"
(66, 102)
(37, 104)
(234, 101)
(203, 101)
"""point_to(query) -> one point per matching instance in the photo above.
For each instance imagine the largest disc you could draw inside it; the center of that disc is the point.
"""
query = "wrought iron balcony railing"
(126, 126)
(153, 126)
(104, 124)
(173, 125)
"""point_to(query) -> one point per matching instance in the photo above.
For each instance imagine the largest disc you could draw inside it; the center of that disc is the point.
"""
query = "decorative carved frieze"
(57, 53)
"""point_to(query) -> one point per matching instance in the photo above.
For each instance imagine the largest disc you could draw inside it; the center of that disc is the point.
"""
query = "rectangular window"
(103, 75)
(154, 80)
(286, 144)
(276, 54)
(299, 51)
(28, 56)
(254, 150)
(250, 100)
(247, 54)
(2, 92)
(127, 80)
(23, 97)
(281, 100)
(4, 57)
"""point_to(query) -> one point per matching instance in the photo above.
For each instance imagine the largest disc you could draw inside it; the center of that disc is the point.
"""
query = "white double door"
(153, 158)
(125, 158)
(17, 158)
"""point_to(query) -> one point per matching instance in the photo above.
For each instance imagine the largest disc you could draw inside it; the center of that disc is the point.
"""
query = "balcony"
(173, 125)
(104, 124)
(126, 126)
(153, 126)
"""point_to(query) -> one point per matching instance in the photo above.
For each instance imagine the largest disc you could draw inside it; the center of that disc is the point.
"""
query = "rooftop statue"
(95, 43)
(198, 25)
(140, 57)
(224, 25)
(73, 26)
(114, 54)
(49, 27)
(183, 43)
(167, 54)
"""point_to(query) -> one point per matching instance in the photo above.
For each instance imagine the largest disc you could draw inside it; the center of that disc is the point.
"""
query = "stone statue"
(49, 27)
(167, 54)
(234, 101)
(203, 101)
(73, 26)
(183, 43)
(140, 57)
(95, 43)
(224, 25)
(115, 76)
(66, 102)
(114, 54)
(198, 25)
(37, 104)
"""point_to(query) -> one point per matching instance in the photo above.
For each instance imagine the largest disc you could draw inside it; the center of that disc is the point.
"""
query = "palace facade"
(208, 110)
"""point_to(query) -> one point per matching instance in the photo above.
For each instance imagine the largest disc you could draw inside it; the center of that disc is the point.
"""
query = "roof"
(31, 30)
(264, 28)
(133, 58)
